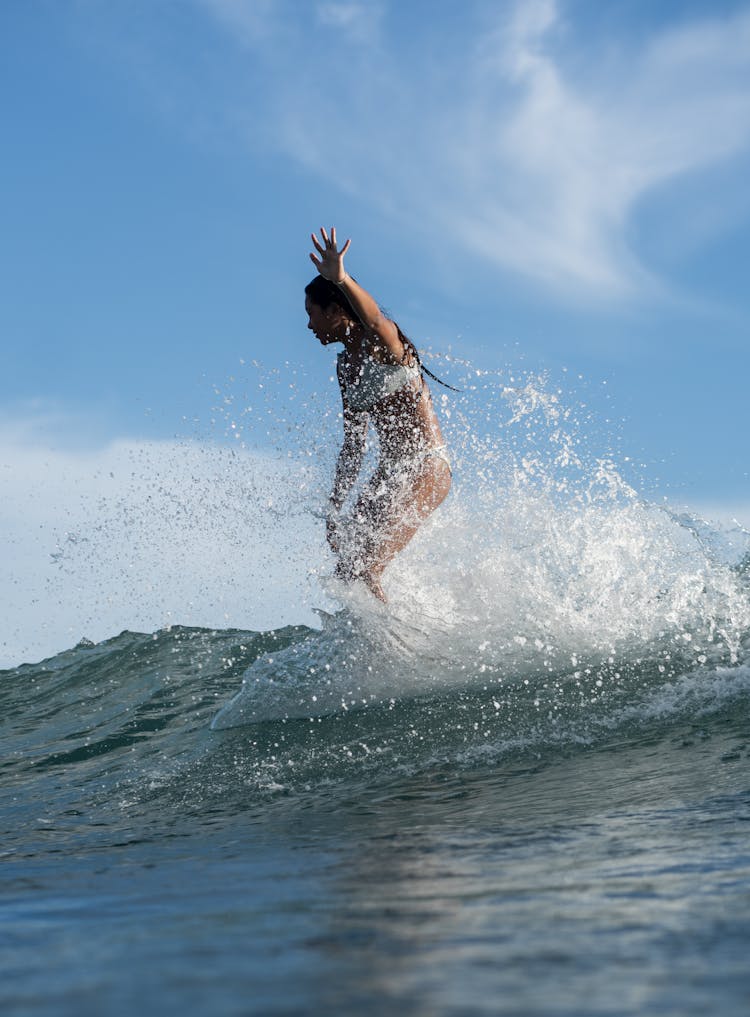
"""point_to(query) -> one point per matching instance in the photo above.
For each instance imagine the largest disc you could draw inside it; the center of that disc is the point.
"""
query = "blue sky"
(562, 185)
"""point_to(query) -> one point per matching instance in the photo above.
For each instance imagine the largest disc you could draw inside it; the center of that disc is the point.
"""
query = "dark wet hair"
(323, 293)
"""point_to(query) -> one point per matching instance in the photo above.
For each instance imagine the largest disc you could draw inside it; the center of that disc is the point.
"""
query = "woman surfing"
(382, 383)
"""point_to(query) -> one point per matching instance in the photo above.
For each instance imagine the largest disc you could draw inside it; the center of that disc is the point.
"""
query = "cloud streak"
(491, 137)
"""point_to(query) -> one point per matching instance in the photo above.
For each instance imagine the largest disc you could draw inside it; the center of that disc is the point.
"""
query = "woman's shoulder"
(403, 355)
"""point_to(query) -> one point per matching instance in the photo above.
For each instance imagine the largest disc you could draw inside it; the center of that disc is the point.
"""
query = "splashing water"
(545, 730)
(544, 564)
(546, 602)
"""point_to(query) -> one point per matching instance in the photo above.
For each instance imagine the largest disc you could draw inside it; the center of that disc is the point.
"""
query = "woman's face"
(329, 325)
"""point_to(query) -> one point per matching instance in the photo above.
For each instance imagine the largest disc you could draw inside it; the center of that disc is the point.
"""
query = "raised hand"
(330, 264)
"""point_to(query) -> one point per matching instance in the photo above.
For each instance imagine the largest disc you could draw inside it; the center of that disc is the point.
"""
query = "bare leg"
(393, 517)
(431, 488)
(373, 585)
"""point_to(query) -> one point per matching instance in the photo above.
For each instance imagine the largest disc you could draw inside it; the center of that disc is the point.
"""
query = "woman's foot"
(348, 574)
(373, 585)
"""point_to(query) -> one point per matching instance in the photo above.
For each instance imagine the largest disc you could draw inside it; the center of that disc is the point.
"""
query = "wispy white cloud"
(256, 22)
(359, 22)
(252, 21)
(491, 139)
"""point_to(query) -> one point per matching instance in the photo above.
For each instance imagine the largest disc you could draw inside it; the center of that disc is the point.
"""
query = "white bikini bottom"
(386, 501)
(409, 465)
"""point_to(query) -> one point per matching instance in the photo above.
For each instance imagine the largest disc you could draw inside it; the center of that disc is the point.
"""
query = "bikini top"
(375, 382)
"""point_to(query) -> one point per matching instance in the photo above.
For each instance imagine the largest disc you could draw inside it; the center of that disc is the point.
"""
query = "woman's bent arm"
(331, 267)
(371, 316)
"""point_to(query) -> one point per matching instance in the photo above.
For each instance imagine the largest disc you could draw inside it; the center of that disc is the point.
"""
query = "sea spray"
(544, 562)
(557, 783)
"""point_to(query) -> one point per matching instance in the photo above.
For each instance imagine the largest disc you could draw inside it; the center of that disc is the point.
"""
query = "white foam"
(543, 562)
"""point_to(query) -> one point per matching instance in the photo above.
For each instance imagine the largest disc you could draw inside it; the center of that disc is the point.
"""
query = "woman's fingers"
(330, 245)
(344, 249)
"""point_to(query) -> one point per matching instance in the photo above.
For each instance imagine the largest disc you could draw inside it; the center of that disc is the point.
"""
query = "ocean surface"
(522, 787)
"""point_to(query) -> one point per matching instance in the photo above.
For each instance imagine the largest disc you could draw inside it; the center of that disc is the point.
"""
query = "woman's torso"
(397, 399)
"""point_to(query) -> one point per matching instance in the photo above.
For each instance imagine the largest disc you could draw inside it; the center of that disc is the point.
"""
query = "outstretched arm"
(330, 264)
